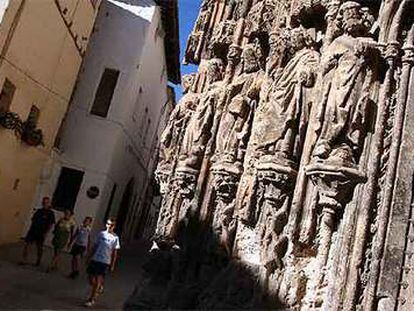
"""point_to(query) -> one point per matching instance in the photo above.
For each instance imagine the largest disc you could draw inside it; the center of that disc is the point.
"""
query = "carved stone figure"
(199, 127)
(284, 113)
(279, 45)
(226, 177)
(236, 121)
(261, 18)
(238, 9)
(347, 79)
(275, 186)
(222, 36)
(232, 135)
(233, 59)
(175, 211)
(204, 16)
(198, 35)
(286, 170)
(172, 136)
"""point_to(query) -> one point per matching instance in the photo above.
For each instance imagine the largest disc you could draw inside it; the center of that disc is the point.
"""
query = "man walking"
(42, 221)
(103, 257)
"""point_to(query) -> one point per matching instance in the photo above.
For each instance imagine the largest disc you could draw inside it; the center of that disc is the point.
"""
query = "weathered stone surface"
(287, 167)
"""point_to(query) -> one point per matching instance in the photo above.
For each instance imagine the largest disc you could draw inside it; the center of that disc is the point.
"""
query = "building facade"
(107, 146)
(42, 47)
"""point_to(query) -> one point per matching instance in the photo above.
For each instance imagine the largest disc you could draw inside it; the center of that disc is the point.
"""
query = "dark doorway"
(124, 207)
(67, 189)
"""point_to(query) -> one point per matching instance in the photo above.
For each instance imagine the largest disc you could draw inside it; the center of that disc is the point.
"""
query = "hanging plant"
(27, 131)
(31, 135)
(10, 120)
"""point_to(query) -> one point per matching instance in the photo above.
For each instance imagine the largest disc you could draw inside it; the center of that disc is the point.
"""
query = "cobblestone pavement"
(29, 287)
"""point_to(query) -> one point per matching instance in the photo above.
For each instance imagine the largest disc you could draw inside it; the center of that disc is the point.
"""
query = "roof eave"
(169, 15)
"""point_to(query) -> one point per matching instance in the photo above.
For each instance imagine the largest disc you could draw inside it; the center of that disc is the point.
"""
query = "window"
(6, 95)
(67, 189)
(33, 116)
(103, 96)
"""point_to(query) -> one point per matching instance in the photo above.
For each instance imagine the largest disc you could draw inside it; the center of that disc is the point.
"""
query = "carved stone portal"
(286, 168)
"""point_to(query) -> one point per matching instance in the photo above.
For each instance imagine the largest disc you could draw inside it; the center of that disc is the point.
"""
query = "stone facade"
(287, 177)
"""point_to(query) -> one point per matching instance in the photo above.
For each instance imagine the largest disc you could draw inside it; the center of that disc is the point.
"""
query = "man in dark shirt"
(42, 221)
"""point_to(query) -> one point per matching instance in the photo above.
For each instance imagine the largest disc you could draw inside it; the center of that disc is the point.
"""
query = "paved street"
(28, 287)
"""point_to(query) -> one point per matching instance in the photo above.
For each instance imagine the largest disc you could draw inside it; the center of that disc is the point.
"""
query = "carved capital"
(226, 178)
(408, 57)
(163, 176)
(335, 185)
(275, 176)
(184, 181)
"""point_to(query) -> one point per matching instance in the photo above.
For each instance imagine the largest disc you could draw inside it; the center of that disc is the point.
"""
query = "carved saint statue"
(199, 127)
(346, 80)
(281, 116)
(198, 35)
(204, 16)
(261, 17)
(222, 35)
(236, 121)
(283, 112)
(173, 134)
(237, 9)
(279, 45)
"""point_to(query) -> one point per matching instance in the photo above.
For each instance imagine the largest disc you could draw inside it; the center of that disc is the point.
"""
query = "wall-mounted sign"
(93, 192)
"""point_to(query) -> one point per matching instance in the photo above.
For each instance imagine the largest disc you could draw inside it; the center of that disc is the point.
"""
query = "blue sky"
(188, 12)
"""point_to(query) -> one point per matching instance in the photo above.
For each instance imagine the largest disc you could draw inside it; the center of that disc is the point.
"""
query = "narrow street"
(29, 287)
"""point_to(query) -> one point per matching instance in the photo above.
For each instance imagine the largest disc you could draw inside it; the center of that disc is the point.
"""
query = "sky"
(188, 12)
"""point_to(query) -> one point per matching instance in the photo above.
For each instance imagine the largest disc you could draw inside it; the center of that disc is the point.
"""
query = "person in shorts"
(42, 221)
(103, 258)
(80, 244)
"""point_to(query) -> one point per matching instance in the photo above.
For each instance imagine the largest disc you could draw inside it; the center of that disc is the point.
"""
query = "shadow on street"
(29, 287)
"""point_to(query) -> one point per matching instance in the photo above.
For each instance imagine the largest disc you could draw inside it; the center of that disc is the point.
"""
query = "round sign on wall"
(93, 192)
